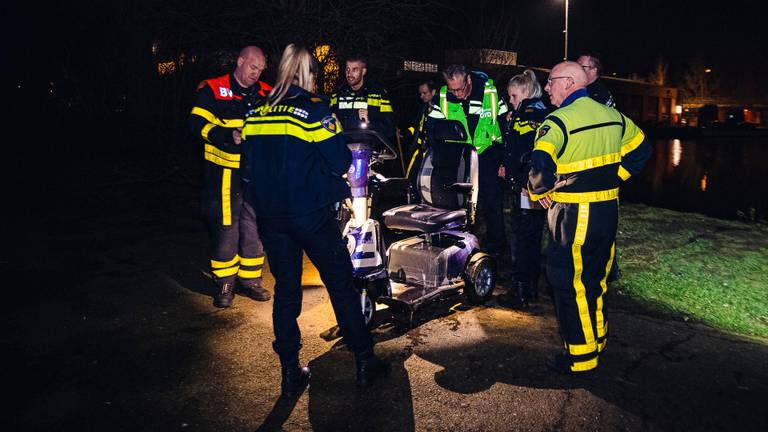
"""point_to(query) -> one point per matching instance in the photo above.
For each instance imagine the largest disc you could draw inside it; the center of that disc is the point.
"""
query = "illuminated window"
(415, 66)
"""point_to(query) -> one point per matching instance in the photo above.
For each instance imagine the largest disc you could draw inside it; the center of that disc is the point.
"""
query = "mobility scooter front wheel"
(479, 278)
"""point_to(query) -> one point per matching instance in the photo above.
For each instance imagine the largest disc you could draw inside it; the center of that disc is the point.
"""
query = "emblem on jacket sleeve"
(329, 124)
(543, 131)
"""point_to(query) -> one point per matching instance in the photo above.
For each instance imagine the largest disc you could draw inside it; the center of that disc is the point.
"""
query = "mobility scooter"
(444, 256)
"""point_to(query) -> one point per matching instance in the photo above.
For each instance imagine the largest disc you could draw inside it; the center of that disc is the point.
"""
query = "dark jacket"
(346, 103)
(294, 156)
(600, 93)
(518, 139)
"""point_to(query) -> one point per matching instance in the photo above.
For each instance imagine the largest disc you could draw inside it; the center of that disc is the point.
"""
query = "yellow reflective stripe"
(227, 123)
(219, 161)
(232, 157)
(206, 129)
(546, 147)
(226, 272)
(444, 103)
(374, 102)
(494, 107)
(285, 125)
(582, 366)
(601, 345)
(222, 264)
(586, 164)
(249, 274)
(537, 197)
(585, 197)
(385, 108)
(578, 285)
(226, 205)
(602, 330)
(626, 148)
(623, 173)
(252, 261)
(599, 319)
(574, 349)
(334, 99)
(413, 159)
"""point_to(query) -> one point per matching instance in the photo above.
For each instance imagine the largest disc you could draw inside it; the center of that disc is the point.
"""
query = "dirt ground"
(109, 326)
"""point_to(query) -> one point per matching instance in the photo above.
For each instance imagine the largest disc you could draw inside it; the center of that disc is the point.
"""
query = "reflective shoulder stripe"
(590, 163)
(636, 141)
(546, 147)
(435, 113)
(444, 101)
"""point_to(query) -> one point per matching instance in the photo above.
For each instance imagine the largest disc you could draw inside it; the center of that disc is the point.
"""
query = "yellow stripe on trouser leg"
(582, 222)
(600, 322)
(226, 204)
(249, 274)
(223, 269)
(250, 268)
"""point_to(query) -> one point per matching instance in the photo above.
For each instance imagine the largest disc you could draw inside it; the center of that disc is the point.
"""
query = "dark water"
(724, 177)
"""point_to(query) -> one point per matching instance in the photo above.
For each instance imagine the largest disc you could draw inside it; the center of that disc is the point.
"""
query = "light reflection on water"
(723, 177)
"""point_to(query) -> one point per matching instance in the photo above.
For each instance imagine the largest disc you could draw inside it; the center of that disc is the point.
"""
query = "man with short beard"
(362, 104)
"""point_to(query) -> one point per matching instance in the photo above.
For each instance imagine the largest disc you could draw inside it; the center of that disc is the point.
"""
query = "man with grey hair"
(216, 119)
(471, 98)
(583, 151)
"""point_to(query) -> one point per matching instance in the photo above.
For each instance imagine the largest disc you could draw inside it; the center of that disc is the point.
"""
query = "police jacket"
(599, 92)
(221, 104)
(583, 151)
(519, 136)
(483, 113)
(346, 103)
(294, 156)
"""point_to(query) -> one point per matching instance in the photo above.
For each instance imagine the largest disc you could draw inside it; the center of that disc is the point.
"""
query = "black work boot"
(225, 296)
(294, 380)
(253, 289)
(370, 368)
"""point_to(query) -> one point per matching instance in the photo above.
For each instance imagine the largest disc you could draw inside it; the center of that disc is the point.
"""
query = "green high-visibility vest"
(487, 131)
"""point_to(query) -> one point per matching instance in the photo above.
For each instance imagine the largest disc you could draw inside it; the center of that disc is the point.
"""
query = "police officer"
(472, 99)
(528, 219)
(582, 152)
(361, 103)
(217, 118)
(294, 145)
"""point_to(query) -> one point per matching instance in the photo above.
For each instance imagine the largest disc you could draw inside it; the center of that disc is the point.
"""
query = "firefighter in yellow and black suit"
(217, 118)
(582, 152)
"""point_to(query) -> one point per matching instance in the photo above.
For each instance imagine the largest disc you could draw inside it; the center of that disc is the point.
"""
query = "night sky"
(630, 36)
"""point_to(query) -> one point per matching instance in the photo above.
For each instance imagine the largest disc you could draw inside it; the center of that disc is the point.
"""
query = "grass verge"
(706, 269)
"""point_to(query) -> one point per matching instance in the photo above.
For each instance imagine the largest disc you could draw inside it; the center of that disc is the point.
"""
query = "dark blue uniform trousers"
(317, 233)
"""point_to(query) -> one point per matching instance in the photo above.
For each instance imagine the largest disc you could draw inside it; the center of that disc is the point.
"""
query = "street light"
(565, 32)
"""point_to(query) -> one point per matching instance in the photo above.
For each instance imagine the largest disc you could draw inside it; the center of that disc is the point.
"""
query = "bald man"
(237, 256)
(583, 151)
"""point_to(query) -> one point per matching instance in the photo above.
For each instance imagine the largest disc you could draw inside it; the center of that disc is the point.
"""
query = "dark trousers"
(317, 234)
(579, 257)
(490, 199)
(526, 246)
(236, 249)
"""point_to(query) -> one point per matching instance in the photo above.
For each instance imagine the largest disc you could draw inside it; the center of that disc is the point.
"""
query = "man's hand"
(363, 114)
(502, 171)
(237, 136)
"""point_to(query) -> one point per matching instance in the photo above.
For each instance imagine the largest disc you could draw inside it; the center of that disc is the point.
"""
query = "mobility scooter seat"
(424, 218)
